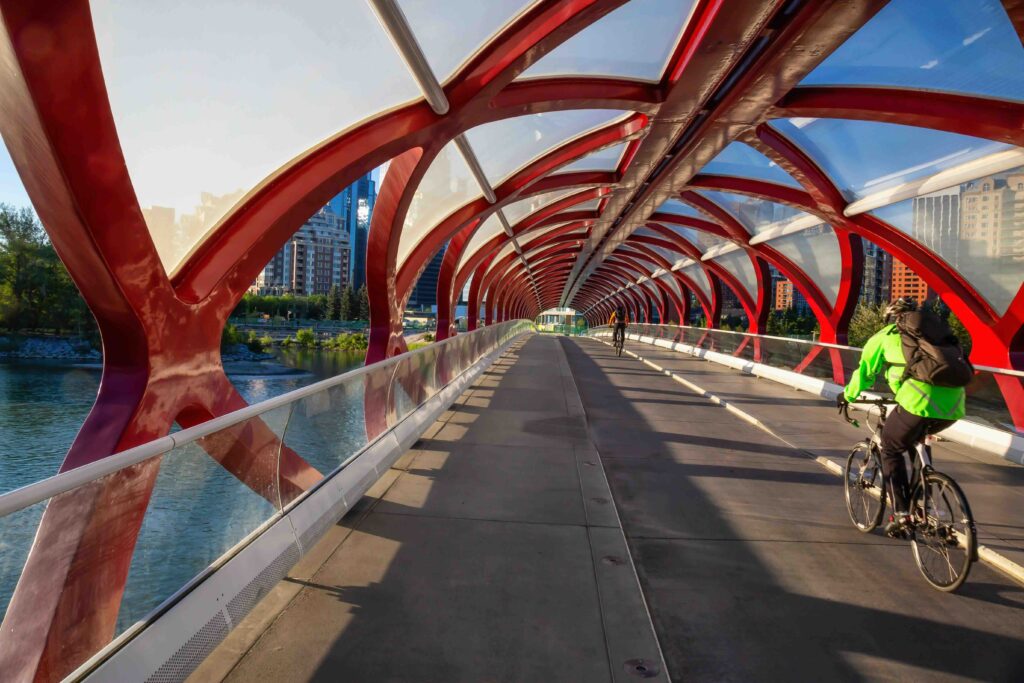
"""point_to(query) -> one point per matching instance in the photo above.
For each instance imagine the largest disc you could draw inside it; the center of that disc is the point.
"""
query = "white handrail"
(983, 368)
(44, 489)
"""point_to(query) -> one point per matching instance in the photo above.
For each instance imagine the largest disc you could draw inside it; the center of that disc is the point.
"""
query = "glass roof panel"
(964, 47)
(976, 228)
(816, 252)
(635, 41)
(205, 111)
(697, 274)
(756, 215)
(738, 263)
(452, 31)
(588, 206)
(606, 159)
(865, 157)
(517, 211)
(504, 147)
(742, 160)
(446, 186)
(490, 228)
(702, 240)
(680, 209)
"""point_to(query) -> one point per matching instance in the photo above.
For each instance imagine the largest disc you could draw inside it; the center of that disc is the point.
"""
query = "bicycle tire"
(864, 487)
(948, 525)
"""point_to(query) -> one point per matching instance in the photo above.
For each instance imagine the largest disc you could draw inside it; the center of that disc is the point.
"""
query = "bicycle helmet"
(899, 307)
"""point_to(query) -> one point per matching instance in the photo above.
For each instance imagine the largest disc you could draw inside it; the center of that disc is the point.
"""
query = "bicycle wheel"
(944, 539)
(865, 487)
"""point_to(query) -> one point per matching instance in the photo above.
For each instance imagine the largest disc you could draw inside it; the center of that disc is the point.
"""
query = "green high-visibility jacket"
(916, 397)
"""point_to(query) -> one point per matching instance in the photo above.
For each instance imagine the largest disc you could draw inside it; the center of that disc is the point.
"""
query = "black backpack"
(932, 351)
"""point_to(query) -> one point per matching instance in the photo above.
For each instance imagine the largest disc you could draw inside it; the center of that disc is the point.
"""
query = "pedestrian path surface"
(493, 551)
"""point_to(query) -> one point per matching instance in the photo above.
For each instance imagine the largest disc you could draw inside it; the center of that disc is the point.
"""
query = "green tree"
(364, 304)
(867, 319)
(334, 304)
(346, 303)
(961, 332)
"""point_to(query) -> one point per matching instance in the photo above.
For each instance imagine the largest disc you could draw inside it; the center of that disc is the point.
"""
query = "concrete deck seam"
(629, 554)
(990, 557)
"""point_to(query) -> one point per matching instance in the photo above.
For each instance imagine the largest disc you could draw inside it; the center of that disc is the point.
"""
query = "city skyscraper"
(424, 294)
(315, 259)
(906, 284)
(876, 281)
(354, 206)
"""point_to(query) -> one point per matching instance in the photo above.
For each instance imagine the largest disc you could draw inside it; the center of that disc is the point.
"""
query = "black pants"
(620, 333)
(901, 433)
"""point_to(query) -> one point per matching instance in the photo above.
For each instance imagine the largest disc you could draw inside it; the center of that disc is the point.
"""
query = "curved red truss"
(158, 370)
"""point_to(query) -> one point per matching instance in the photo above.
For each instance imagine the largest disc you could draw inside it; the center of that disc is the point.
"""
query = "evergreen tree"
(364, 303)
(867, 319)
(349, 304)
(333, 311)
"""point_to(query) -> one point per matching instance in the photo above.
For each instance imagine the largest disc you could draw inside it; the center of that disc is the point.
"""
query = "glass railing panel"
(329, 427)
(209, 495)
(16, 533)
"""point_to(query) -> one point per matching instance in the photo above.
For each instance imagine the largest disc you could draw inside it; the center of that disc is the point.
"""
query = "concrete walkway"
(493, 551)
(747, 557)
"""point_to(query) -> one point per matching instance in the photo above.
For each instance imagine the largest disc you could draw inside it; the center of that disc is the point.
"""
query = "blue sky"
(11, 189)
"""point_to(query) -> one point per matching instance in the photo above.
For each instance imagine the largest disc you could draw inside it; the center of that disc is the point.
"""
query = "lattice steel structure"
(583, 153)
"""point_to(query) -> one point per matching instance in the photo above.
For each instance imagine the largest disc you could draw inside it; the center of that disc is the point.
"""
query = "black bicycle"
(941, 527)
(618, 339)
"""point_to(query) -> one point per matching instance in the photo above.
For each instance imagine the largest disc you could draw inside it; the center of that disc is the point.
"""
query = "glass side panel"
(816, 252)
(635, 41)
(738, 263)
(205, 112)
(504, 147)
(696, 274)
(977, 228)
(679, 208)
(864, 157)
(756, 215)
(606, 159)
(446, 186)
(517, 211)
(451, 32)
(964, 47)
(490, 228)
(742, 160)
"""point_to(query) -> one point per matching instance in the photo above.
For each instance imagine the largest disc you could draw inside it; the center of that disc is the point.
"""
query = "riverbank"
(72, 349)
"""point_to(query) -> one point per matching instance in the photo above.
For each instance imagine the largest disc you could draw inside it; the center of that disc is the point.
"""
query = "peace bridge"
(502, 504)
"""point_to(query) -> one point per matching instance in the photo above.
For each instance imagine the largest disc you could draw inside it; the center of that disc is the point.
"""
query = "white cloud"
(975, 36)
(930, 65)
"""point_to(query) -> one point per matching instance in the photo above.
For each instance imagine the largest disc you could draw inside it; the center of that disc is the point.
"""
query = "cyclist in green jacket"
(922, 408)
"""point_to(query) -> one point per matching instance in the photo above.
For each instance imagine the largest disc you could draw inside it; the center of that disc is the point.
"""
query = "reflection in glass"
(976, 227)
(738, 263)
(816, 252)
(635, 41)
(963, 47)
(743, 161)
(864, 157)
(756, 215)
(506, 146)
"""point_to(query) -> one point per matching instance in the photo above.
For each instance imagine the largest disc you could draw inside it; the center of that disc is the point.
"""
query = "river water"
(197, 510)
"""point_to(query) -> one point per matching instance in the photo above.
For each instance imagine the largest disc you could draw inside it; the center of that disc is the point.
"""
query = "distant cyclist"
(619, 319)
(927, 371)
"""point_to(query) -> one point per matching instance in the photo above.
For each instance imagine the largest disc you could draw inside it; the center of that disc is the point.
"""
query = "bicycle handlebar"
(881, 403)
